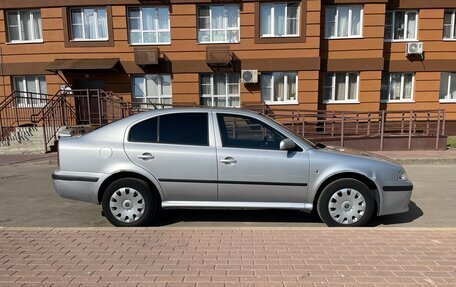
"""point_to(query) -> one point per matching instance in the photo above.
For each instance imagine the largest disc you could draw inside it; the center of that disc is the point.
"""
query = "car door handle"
(146, 156)
(228, 160)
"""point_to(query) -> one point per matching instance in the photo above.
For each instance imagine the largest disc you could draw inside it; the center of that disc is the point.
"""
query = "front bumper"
(77, 185)
(395, 197)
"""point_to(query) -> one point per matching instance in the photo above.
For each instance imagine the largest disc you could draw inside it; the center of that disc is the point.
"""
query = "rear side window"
(185, 128)
(145, 131)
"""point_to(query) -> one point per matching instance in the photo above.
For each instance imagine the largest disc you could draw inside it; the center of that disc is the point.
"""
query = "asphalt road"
(28, 200)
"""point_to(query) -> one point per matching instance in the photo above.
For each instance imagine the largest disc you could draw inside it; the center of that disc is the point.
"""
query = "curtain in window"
(292, 18)
(411, 26)
(13, 26)
(340, 87)
(26, 25)
(395, 91)
(89, 24)
(217, 20)
(279, 19)
(37, 25)
(408, 84)
(291, 83)
(266, 19)
(219, 84)
(139, 92)
(356, 21)
(232, 12)
(399, 26)
(444, 81)
(163, 23)
(279, 91)
(453, 86)
(342, 30)
(352, 86)
(102, 23)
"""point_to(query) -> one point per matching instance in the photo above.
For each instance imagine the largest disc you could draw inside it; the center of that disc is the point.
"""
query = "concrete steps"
(24, 140)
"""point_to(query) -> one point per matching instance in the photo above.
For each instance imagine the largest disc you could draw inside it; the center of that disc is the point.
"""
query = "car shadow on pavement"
(226, 217)
(414, 213)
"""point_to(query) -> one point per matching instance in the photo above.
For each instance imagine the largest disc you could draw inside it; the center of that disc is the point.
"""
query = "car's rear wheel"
(129, 202)
(346, 202)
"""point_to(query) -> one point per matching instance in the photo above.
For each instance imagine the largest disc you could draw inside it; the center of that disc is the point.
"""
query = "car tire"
(129, 202)
(346, 203)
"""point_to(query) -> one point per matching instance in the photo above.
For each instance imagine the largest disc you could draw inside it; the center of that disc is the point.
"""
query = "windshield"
(307, 141)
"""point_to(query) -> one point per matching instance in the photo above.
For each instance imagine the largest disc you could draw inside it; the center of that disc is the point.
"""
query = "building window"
(220, 90)
(279, 19)
(149, 25)
(31, 90)
(401, 25)
(89, 24)
(24, 26)
(340, 87)
(152, 89)
(343, 21)
(448, 87)
(397, 87)
(279, 87)
(218, 23)
(449, 25)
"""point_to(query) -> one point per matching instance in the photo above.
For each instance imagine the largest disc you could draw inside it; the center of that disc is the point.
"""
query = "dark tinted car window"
(245, 132)
(145, 131)
(184, 128)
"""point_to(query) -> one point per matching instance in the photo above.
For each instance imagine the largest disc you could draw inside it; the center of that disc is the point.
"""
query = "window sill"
(25, 42)
(279, 37)
(344, 38)
(89, 40)
(401, 40)
(397, 101)
(150, 44)
(449, 40)
(448, 101)
(280, 103)
(209, 43)
(340, 102)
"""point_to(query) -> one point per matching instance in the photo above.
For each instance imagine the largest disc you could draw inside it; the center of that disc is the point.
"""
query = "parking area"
(28, 200)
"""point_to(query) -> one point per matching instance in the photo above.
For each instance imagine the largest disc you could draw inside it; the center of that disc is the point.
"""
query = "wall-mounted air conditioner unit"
(415, 48)
(249, 76)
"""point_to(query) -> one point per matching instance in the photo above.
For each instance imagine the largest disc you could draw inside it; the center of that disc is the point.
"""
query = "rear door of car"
(179, 150)
(252, 168)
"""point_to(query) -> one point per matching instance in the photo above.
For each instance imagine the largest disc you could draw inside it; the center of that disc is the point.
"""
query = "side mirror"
(287, 144)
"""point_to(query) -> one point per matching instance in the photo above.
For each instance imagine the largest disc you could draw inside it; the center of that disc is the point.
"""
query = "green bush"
(451, 142)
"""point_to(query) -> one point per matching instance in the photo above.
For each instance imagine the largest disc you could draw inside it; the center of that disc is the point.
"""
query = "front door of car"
(179, 150)
(251, 166)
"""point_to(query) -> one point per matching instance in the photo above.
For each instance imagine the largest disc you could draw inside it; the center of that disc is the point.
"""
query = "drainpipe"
(1, 67)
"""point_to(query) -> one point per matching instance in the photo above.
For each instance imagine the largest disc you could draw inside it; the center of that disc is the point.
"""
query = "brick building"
(309, 54)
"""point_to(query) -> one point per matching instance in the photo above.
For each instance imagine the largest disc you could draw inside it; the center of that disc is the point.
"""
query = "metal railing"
(340, 126)
(17, 109)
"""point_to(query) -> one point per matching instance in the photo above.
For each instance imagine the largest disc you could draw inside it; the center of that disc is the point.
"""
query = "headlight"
(402, 175)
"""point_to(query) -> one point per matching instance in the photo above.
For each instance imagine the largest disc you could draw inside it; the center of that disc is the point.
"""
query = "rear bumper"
(77, 185)
(396, 198)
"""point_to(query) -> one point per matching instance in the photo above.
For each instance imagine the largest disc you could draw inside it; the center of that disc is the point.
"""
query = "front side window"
(238, 131)
(279, 19)
(218, 23)
(401, 25)
(24, 26)
(89, 24)
(220, 90)
(340, 87)
(397, 87)
(343, 21)
(179, 128)
(279, 87)
(153, 89)
(149, 25)
(449, 25)
(448, 87)
(31, 90)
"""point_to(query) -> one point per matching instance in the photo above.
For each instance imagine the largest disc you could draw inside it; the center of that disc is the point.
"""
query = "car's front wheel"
(346, 202)
(129, 202)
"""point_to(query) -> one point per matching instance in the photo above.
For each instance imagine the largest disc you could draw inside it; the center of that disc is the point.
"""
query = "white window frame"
(35, 102)
(83, 39)
(286, 88)
(227, 96)
(392, 24)
(160, 96)
(346, 92)
(402, 100)
(226, 29)
(447, 98)
(273, 34)
(141, 29)
(453, 25)
(32, 18)
(350, 18)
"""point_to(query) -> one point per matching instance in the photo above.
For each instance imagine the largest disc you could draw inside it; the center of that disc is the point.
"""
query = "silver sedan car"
(223, 158)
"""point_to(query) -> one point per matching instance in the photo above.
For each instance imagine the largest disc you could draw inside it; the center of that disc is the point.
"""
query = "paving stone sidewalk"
(7, 159)
(227, 257)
